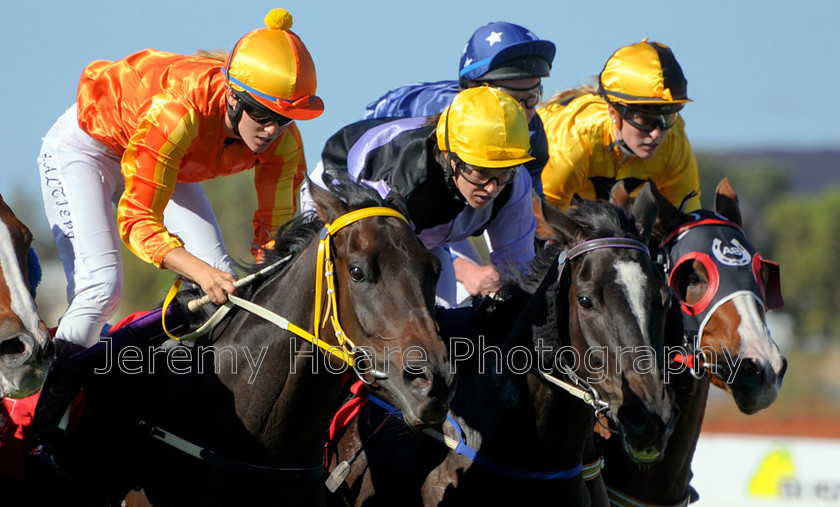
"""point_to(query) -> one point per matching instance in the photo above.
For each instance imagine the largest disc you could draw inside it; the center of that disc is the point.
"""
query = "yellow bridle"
(325, 271)
(346, 347)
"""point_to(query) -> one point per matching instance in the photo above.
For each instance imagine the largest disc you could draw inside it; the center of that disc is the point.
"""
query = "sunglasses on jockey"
(481, 177)
(645, 119)
(259, 113)
(529, 101)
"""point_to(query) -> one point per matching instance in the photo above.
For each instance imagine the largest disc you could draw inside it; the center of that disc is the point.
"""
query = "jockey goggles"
(530, 101)
(647, 121)
(260, 114)
(481, 177)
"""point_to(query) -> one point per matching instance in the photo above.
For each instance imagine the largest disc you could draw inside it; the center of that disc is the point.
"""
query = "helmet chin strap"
(448, 170)
(625, 149)
(619, 138)
(234, 114)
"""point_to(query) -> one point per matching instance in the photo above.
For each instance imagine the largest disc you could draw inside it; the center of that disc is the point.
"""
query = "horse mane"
(596, 219)
(295, 235)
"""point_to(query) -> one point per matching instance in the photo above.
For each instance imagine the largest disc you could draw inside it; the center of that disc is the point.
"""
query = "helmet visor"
(518, 68)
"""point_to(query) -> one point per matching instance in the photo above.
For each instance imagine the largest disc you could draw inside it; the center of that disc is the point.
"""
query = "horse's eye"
(694, 278)
(357, 274)
(585, 302)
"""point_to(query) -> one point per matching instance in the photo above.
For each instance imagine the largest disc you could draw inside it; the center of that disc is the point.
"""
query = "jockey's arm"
(215, 283)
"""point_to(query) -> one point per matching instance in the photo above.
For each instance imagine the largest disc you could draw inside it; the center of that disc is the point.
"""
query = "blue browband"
(464, 450)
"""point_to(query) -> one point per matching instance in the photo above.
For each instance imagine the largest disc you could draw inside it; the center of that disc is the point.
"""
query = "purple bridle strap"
(595, 244)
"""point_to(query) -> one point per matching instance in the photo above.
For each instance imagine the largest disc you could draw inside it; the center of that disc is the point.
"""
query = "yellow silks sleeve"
(570, 154)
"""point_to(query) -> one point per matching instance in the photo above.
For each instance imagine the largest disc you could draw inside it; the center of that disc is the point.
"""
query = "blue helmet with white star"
(503, 50)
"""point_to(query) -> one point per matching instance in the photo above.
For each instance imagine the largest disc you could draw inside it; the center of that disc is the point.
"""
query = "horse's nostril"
(749, 368)
(634, 417)
(419, 379)
(14, 349)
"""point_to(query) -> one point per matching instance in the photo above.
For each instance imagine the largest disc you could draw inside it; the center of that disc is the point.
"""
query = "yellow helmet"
(485, 127)
(273, 66)
(644, 73)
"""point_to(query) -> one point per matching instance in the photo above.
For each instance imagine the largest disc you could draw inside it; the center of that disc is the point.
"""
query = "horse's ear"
(619, 195)
(330, 206)
(669, 217)
(726, 202)
(555, 224)
(645, 210)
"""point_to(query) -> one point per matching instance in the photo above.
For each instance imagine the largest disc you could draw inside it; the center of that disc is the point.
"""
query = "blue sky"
(762, 73)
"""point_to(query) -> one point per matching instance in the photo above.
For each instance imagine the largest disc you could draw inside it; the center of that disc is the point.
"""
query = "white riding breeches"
(81, 182)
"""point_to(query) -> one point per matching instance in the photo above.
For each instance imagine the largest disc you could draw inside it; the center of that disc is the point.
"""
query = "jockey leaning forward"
(502, 55)
(144, 131)
(459, 173)
(628, 129)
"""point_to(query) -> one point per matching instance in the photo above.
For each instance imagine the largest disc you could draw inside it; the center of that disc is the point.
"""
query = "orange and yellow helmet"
(645, 73)
(273, 66)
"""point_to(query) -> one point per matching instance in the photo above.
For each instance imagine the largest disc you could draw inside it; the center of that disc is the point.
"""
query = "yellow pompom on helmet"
(485, 127)
(646, 73)
(274, 68)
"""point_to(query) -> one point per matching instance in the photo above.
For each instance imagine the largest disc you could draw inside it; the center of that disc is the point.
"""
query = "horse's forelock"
(602, 219)
(596, 219)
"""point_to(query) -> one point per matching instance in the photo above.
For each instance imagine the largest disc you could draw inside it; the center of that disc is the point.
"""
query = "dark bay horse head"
(385, 282)
(616, 314)
(725, 288)
(25, 346)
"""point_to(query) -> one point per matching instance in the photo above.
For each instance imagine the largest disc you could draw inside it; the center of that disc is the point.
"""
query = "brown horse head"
(725, 288)
(386, 283)
(25, 346)
(617, 305)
